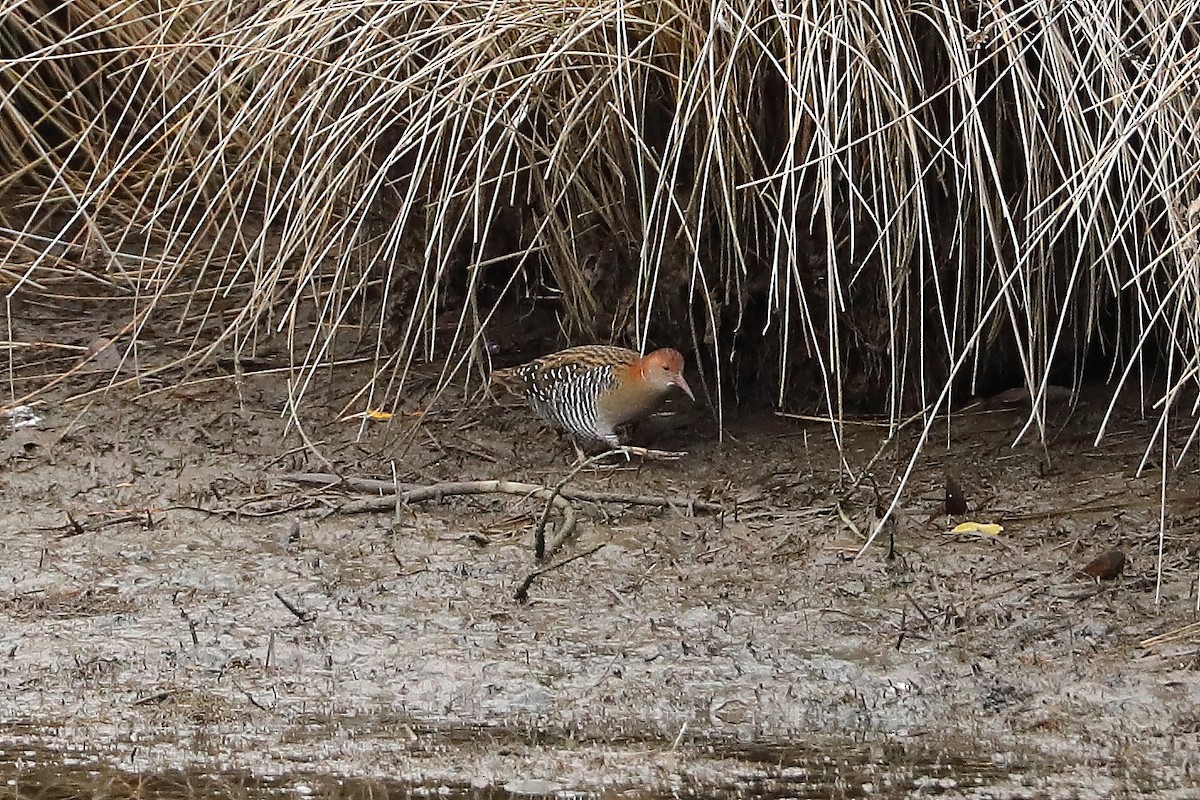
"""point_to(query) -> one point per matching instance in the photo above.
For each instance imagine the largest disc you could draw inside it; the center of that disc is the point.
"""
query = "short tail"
(508, 379)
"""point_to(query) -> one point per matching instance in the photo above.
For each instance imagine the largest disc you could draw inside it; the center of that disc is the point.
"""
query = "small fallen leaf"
(985, 528)
(1106, 566)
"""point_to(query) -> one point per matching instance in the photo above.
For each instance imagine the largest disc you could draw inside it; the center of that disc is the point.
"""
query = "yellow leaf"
(985, 528)
(372, 414)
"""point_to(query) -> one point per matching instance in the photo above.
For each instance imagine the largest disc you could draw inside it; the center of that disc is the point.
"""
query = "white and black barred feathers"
(565, 388)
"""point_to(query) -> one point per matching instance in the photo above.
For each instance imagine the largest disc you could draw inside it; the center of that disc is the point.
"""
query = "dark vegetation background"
(844, 208)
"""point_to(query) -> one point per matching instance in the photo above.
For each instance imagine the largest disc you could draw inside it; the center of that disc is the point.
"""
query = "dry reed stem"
(889, 199)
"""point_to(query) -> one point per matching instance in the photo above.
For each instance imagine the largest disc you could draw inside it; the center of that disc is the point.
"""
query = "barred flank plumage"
(591, 390)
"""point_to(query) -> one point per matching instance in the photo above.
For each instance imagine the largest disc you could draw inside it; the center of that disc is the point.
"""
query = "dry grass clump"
(865, 206)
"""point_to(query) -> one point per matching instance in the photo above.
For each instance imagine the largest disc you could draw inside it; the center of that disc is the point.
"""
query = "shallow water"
(766, 773)
(886, 768)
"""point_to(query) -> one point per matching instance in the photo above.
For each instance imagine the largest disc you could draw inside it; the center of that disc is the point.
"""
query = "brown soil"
(151, 551)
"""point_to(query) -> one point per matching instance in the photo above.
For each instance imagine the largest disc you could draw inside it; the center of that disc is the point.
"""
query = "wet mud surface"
(170, 606)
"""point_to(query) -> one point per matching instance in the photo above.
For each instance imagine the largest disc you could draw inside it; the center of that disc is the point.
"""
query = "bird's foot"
(599, 461)
(621, 457)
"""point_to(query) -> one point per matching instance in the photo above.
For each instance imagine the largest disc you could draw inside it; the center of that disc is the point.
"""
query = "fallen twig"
(389, 494)
(661, 501)
(157, 697)
(300, 614)
(250, 697)
(522, 593)
(328, 480)
(539, 533)
(236, 513)
(440, 490)
(76, 528)
(331, 481)
(1187, 631)
(648, 454)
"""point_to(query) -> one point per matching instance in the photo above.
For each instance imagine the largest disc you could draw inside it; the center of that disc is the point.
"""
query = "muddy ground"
(170, 606)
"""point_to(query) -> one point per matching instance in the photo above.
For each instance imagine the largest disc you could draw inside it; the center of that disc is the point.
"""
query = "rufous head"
(664, 369)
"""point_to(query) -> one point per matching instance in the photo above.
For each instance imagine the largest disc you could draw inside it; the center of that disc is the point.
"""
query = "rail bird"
(592, 390)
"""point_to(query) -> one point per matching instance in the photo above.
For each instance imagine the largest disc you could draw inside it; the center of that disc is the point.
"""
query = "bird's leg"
(582, 459)
(597, 461)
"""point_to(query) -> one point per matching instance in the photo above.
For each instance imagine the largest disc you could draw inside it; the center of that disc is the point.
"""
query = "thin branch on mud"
(331, 481)
(1185, 632)
(661, 501)
(539, 533)
(157, 697)
(236, 513)
(921, 611)
(439, 491)
(648, 453)
(300, 614)
(389, 495)
(327, 480)
(191, 627)
(250, 697)
(522, 593)
(75, 528)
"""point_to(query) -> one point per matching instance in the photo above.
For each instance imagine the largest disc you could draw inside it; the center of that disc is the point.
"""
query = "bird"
(591, 390)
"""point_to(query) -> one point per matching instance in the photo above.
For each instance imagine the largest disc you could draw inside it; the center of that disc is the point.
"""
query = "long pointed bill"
(682, 384)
